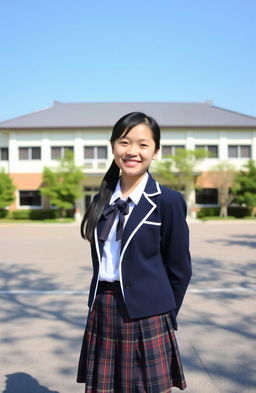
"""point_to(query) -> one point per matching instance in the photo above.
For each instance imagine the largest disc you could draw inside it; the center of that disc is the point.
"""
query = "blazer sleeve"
(175, 244)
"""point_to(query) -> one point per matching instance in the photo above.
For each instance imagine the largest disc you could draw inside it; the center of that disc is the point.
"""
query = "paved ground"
(42, 318)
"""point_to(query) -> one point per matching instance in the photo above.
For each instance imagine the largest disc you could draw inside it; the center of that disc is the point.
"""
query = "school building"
(31, 142)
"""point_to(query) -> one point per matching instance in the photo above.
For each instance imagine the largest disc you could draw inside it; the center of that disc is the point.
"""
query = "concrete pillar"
(223, 146)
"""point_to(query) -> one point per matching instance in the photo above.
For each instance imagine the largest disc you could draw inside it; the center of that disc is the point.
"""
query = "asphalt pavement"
(45, 272)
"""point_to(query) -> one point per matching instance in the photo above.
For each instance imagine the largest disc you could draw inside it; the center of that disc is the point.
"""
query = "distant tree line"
(180, 171)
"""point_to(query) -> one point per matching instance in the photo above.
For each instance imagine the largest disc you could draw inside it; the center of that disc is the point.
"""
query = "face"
(134, 152)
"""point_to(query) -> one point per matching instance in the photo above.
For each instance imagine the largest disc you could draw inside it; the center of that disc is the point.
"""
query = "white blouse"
(109, 266)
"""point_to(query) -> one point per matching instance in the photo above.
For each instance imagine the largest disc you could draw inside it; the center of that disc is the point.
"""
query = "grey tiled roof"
(169, 114)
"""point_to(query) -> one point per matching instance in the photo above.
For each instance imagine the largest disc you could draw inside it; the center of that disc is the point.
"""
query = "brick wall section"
(26, 181)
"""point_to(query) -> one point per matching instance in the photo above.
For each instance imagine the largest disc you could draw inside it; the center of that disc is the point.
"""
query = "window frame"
(29, 206)
(62, 151)
(95, 149)
(173, 149)
(6, 148)
(239, 149)
(206, 148)
(30, 153)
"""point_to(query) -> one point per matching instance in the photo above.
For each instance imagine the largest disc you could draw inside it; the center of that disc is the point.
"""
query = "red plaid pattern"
(123, 355)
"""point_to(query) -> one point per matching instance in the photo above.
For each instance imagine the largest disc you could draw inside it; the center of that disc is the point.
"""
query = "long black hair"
(109, 182)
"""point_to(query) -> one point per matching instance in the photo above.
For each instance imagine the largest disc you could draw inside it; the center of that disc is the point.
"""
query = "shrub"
(208, 212)
(3, 213)
(40, 214)
(233, 211)
(43, 214)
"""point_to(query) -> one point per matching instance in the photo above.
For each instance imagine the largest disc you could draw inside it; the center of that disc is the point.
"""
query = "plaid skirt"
(124, 355)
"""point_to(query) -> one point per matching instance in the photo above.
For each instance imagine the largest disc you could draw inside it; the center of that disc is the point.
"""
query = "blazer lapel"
(140, 212)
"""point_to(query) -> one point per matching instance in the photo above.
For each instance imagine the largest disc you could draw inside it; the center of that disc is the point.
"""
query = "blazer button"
(127, 286)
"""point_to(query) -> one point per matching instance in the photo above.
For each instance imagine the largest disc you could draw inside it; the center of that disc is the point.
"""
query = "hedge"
(40, 214)
(239, 212)
(233, 211)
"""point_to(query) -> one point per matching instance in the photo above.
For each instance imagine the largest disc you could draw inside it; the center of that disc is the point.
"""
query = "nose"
(132, 150)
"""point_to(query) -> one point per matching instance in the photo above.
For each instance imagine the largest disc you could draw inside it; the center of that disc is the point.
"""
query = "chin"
(132, 173)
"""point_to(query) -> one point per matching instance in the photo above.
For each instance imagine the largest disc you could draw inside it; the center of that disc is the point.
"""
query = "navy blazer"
(155, 266)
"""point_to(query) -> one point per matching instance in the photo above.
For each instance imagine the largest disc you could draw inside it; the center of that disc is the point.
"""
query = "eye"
(123, 142)
(144, 145)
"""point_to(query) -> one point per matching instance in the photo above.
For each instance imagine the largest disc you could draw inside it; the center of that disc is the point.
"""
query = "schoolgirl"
(141, 270)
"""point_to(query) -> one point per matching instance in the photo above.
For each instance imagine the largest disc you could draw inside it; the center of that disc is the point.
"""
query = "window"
(211, 149)
(170, 150)
(30, 198)
(239, 151)
(233, 151)
(29, 153)
(58, 152)
(95, 152)
(207, 196)
(245, 151)
(4, 154)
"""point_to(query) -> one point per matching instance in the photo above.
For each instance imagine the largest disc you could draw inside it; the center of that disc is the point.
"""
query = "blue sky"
(134, 50)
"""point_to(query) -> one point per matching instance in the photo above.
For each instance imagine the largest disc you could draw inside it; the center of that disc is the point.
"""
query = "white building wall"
(80, 138)
(4, 139)
(190, 143)
(221, 138)
(223, 146)
(78, 148)
(45, 150)
(4, 166)
(13, 152)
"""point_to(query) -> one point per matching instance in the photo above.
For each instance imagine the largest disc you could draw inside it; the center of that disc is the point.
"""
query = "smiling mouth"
(130, 160)
(131, 163)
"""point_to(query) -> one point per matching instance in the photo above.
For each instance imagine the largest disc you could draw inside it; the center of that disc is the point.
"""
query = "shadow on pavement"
(216, 350)
(211, 272)
(24, 383)
(244, 240)
(51, 307)
(55, 319)
(222, 322)
(63, 311)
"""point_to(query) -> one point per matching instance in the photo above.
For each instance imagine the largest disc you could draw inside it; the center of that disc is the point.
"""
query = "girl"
(139, 246)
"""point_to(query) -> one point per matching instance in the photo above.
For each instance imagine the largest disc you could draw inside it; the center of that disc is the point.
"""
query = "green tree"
(245, 186)
(7, 189)
(180, 171)
(63, 184)
(222, 177)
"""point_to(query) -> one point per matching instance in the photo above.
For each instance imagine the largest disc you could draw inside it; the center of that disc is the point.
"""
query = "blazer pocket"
(152, 223)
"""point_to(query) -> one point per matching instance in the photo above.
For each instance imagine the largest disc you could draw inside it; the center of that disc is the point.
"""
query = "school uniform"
(129, 343)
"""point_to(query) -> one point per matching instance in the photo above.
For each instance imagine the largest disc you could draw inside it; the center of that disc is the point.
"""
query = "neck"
(128, 184)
